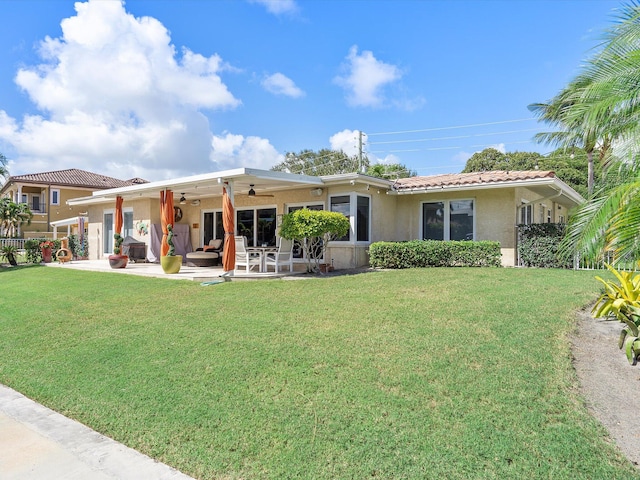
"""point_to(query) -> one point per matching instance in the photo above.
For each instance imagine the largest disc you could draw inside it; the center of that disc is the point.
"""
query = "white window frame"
(127, 210)
(287, 206)
(353, 213)
(55, 192)
(111, 242)
(447, 217)
(527, 217)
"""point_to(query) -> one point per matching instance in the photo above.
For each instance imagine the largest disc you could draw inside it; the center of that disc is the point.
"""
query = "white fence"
(14, 242)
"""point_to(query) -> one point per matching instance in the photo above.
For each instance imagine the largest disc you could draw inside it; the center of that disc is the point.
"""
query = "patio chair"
(244, 258)
(282, 257)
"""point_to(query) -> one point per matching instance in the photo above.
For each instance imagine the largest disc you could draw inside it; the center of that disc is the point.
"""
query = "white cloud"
(116, 98)
(498, 146)
(279, 84)
(347, 141)
(365, 78)
(278, 7)
(231, 150)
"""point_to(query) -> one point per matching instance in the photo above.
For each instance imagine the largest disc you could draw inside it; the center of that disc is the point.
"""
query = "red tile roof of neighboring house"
(468, 179)
(74, 177)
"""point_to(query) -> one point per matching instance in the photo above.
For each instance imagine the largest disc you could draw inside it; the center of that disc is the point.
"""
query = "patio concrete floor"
(195, 274)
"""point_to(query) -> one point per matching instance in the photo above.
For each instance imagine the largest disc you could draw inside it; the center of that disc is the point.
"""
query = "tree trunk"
(590, 172)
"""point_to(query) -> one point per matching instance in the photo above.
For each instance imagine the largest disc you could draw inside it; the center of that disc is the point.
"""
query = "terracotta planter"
(171, 264)
(46, 255)
(118, 261)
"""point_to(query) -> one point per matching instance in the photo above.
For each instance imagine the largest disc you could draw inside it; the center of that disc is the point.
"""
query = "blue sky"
(160, 88)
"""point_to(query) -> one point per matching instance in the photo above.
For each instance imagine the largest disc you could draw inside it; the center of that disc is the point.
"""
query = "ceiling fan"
(252, 192)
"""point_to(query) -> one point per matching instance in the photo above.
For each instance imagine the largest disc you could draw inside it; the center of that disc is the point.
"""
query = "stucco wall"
(495, 216)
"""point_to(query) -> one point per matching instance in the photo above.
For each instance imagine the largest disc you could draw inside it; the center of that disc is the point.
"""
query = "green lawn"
(426, 373)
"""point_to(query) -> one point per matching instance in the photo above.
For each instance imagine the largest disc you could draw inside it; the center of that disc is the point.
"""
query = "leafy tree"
(323, 162)
(314, 229)
(390, 171)
(570, 165)
(332, 162)
(13, 215)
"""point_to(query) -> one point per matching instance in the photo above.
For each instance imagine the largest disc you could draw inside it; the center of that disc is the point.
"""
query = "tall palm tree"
(605, 103)
(573, 131)
(13, 215)
(4, 171)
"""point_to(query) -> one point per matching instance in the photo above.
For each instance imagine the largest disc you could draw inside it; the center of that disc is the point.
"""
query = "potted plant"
(117, 260)
(46, 248)
(171, 262)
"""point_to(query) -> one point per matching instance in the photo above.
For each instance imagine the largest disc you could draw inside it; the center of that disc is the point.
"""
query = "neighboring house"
(47, 194)
(470, 206)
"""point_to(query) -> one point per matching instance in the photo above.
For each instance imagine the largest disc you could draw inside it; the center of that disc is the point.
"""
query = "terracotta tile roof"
(464, 179)
(74, 177)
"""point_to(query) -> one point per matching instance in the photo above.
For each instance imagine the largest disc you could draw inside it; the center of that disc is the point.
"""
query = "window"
(127, 223)
(258, 225)
(213, 227)
(55, 196)
(526, 214)
(362, 219)
(342, 204)
(107, 232)
(548, 216)
(448, 220)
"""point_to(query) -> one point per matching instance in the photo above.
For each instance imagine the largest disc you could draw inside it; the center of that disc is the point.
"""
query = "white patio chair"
(282, 257)
(244, 258)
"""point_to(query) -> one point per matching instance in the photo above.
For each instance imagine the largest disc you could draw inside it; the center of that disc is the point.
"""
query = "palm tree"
(4, 171)
(13, 215)
(573, 131)
(602, 105)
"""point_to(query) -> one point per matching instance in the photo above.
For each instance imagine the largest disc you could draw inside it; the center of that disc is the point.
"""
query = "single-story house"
(47, 195)
(466, 206)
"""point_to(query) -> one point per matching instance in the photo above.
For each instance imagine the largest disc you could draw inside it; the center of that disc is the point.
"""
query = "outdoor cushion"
(203, 259)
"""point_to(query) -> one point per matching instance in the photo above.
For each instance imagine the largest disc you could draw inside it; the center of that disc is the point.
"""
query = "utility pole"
(360, 166)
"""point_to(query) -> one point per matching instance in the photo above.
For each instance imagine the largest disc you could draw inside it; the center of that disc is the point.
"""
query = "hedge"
(434, 253)
(538, 245)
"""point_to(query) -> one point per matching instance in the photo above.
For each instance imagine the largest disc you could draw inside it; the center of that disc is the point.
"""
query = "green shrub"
(538, 245)
(434, 253)
(32, 249)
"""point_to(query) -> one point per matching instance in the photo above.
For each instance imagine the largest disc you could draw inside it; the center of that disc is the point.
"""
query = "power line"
(452, 127)
(456, 137)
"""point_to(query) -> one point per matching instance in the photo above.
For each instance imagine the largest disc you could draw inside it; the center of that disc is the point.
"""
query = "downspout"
(48, 204)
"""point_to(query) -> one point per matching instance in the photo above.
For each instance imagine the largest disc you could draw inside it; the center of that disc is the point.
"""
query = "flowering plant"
(47, 244)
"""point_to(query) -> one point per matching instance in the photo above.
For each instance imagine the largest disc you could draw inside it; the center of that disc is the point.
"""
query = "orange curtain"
(228, 222)
(166, 218)
(118, 219)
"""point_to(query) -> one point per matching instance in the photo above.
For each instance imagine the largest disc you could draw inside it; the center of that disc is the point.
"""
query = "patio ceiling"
(207, 185)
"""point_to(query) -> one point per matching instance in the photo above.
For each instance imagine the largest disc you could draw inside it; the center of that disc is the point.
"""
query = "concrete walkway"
(37, 443)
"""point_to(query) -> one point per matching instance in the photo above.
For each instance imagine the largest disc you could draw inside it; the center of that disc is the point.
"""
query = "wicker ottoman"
(203, 259)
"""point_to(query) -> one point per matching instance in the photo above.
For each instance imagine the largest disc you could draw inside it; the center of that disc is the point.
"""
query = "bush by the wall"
(538, 245)
(434, 253)
(32, 249)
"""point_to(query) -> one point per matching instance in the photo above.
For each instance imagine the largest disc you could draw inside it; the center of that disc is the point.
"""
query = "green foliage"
(172, 249)
(13, 215)
(314, 229)
(117, 248)
(539, 244)
(78, 249)
(434, 253)
(569, 164)
(332, 162)
(390, 171)
(621, 301)
(9, 252)
(33, 250)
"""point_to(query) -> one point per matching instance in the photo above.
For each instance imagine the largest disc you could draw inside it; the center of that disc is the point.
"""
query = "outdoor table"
(262, 252)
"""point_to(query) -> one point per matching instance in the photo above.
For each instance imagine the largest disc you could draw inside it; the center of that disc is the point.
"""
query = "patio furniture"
(281, 257)
(246, 258)
(203, 259)
(215, 245)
